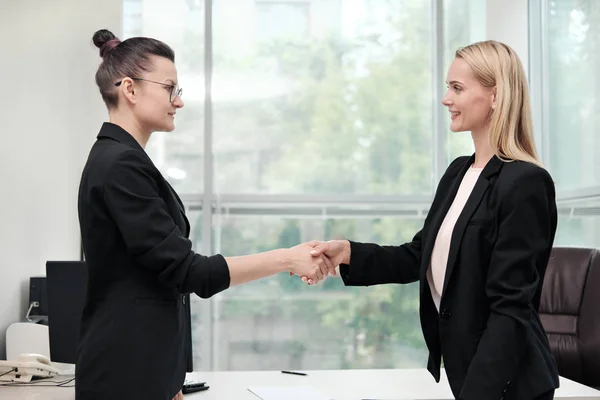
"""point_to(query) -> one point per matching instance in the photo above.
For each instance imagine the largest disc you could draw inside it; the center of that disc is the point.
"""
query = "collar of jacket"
(115, 132)
(492, 168)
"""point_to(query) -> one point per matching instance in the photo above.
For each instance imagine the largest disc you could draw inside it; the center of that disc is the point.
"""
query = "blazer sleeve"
(150, 233)
(371, 264)
(525, 233)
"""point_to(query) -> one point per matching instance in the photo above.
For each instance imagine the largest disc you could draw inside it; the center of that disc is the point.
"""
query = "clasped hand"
(314, 261)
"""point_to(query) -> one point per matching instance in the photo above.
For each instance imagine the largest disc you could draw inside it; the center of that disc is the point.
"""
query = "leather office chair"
(570, 313)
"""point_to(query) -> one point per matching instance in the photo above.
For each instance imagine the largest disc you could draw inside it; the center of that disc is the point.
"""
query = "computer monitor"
(66, 285)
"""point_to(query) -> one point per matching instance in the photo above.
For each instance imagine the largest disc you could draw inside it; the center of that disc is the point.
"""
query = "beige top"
(439, 256)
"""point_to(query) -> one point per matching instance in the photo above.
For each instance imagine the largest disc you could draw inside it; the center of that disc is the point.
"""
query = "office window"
(579, 223)
(275, 20)
(321, 127)
(574, 92)
(348, 88)
(569, 97)
(280, 321)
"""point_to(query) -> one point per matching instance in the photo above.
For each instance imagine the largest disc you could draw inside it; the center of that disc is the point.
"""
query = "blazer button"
(183, 300)
(446, 313)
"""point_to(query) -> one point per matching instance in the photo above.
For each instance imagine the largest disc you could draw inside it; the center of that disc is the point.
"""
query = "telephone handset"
(27, 367)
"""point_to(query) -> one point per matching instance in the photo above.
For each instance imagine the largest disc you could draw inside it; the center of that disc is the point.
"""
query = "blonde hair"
(497, 65)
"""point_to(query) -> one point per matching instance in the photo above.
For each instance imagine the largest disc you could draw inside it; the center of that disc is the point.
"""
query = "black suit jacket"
(488, 330)
(135, 336)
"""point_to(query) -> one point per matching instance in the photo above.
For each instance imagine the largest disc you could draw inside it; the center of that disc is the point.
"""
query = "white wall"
(50, 113)
(507, 21)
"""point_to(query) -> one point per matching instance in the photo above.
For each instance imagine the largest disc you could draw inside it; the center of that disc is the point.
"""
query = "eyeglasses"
(174, 90)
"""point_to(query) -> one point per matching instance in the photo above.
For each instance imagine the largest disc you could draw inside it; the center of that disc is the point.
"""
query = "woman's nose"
(446, 101)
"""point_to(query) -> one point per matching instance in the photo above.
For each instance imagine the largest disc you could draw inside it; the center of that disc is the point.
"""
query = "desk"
(393, 384)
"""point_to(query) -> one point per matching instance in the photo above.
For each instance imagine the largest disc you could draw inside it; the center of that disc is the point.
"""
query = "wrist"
(346, 252)
(283, 260)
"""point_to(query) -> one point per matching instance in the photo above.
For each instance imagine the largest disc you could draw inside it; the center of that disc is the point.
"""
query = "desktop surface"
(397, 384)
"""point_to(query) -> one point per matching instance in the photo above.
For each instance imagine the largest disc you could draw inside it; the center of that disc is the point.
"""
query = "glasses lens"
(175, 92)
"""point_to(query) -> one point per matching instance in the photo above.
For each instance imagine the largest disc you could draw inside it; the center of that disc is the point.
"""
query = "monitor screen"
(66, 283)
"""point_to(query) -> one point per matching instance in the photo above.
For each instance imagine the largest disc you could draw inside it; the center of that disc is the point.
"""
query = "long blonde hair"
(496, 64)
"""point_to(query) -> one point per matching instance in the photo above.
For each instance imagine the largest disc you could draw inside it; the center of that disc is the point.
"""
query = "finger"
(312, 277)
(304, 279)
(319, 249)
(318, 273)
(330, 267)
(323, 270)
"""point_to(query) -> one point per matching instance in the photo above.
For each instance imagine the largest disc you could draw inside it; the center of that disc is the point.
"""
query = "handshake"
(314, 261)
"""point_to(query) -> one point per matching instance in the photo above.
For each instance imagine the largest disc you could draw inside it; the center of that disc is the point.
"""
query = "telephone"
(27, 367)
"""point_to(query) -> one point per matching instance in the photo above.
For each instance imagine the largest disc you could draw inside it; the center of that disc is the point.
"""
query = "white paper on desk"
(287, 393)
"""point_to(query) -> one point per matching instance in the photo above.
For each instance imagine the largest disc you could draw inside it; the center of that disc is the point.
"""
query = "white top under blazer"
(439, 256)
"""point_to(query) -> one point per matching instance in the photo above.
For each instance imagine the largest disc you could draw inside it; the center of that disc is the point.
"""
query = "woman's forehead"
(163, 69)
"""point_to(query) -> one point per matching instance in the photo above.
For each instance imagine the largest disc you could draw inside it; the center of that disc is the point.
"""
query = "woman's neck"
(483, 150)
(131, 126)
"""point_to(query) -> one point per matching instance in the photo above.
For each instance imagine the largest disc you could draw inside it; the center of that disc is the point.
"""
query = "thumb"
(320, 249)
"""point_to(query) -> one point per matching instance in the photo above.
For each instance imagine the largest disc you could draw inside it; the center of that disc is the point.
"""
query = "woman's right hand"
(178, 396)
(314, 268)
(337, 251)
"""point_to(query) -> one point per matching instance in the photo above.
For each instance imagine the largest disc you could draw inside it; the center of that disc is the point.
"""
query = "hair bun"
(105, 40)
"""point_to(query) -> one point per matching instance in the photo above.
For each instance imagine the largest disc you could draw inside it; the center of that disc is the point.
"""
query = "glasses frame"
(174, 92)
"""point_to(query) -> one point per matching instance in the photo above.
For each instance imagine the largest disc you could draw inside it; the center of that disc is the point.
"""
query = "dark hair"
(124, 59)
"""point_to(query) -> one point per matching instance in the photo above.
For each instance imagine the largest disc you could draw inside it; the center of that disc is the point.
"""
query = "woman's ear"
(127, 89)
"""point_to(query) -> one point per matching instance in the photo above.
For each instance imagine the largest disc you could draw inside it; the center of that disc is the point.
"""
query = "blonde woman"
(482, 253)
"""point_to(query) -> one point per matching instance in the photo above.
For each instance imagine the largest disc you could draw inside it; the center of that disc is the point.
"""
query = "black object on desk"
(66, 287)
(294, 373)
(191, 387)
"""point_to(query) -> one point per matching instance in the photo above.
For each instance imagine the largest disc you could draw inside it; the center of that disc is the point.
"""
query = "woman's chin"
(458, 128)
(169, 127)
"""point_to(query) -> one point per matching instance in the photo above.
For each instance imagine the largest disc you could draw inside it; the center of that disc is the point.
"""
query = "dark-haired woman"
(135, 329)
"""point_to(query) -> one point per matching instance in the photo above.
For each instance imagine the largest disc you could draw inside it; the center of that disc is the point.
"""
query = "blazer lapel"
(459, 228)
(174, 194)
(115, 132)
(181, 208)
(439, 217)
(481, 186)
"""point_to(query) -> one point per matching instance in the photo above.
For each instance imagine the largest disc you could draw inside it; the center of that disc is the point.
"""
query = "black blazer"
(488, 330)
(135, 339)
